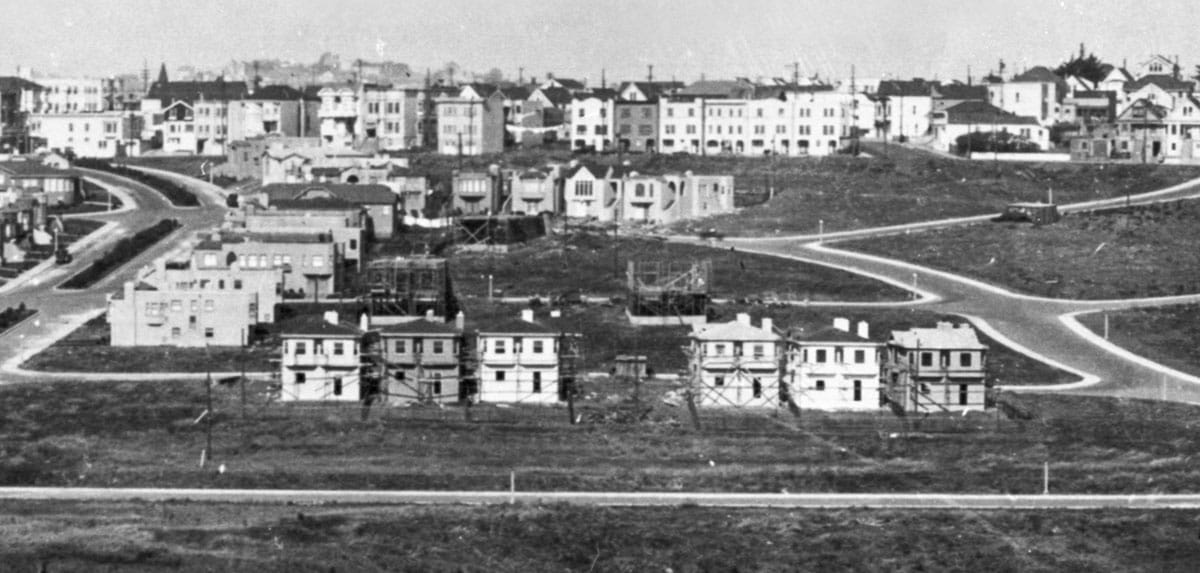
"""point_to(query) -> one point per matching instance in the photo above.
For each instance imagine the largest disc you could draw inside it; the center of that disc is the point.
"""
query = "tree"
(493, 76)
(1088, 67)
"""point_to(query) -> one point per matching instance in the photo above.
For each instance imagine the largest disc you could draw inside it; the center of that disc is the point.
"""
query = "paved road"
(61, 311)
(634, 499)
(1040, 327)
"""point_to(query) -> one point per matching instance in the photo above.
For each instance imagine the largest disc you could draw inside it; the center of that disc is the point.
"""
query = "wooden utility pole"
(208, 417)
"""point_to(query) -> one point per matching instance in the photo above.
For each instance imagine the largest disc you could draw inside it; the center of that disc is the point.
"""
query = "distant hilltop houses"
(1145, 112)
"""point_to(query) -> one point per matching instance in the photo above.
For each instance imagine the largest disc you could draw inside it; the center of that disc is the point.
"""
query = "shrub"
(123, 252)
(177, 194)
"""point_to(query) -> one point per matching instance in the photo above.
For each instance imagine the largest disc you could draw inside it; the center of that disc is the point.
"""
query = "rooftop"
(945, 336)
(354, 193)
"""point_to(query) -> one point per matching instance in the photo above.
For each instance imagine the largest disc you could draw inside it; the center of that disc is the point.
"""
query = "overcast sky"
(682, 38)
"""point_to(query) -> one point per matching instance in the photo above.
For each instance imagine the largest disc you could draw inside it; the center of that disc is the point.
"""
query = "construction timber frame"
(497, 231)
(410, 286)
(668, 292)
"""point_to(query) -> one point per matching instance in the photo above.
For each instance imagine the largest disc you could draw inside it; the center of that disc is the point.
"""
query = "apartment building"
(1038, 93)
(342, 222)
(312, 263)
(100, 134)
(522, 361)
(322, 360)
(636, 125)
(470, 123)
(592, 120)
(936, 369)
(736, 364)
(71, 95)
(390, 117)
(904, 106)
(273, 111)
(834, 368)
(422, 362)
(191, 116)
(192, 304)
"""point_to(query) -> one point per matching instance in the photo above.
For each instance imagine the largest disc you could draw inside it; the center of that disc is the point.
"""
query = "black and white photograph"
(672, 286)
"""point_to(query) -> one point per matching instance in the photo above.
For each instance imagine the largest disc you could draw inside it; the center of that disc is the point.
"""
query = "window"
(719, 349)
(339, 348)
(583, 189)
(860, 356)
(926, 359)
(237, 284)
(318, 261)
(964, 359)
(719, 381)
(821, 355)
(537, 382)
(439, 346)
(175, 332)
(398, 347)
(300, 347)
(176, 305)
(337, 385)
(500, 375)
(757, 387)
(353, 244)
(962, 394)
(498, 347)
(301, 378)
(759, 351)
(819, 386)
(538, 346)
(858, 390)
(437, 384)
(195, 305)
(208, 332)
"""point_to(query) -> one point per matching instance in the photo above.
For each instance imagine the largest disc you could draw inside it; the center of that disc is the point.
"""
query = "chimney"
(331, 316)
(364, 321)
(743, 318)
(527, 315)
(945, 326)
(460, 321)
(768, 325)
(429, 314)
(864, 331)
(842, 324)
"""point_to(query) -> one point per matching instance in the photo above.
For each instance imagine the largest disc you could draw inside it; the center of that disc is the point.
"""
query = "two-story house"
(322, 360)
(936, 369)
(535, 191)
(422, 361)
(520, 361)
(592, 120)
(592, 191)
(470, 123)
(736, 364)
(478, 192)
(832, 368)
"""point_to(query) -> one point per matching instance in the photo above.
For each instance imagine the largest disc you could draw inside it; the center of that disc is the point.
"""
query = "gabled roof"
(944, 336)
(652, 90)
(960, 92)
(569, 84)
(517, 326)
(732, 89)
(277, 93)
(1166, 82)
(354, 193)
(317, 326)
(1121, 73)
(14, 83)
(1036, 74)
(981, 112)
(598, 171)
(484, 90)
(734, 331)
(826, 334)
(906, 88)
(557, 96)
(1160, 112)
(598, 93)
(422, 327)
(516, 92)
(219, 90)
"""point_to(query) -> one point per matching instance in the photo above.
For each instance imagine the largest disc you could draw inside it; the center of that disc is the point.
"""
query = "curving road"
(62, 311)
(1040, 327)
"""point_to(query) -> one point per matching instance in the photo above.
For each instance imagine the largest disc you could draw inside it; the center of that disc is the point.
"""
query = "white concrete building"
(832, 368)
(71, 95)
(102, 134)
(592, 120)
(322, 360)
(936, 369)
(736, 364)
(1036, 93)
(519, 362)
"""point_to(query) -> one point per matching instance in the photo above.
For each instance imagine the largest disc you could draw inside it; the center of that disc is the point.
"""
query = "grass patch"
(856, 192)
(179, 195)
(124, 251)
(1166, 335)
(131, 434)
(12, 316)
(1141, 251)
(596, 263)
(86, 349)
(74, 536)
